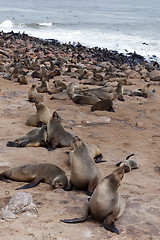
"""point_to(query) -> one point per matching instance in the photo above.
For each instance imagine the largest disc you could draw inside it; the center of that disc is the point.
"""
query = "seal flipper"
(118, 164)
(34, 183)
(12, 144)
(109, 224)
(129, 156)
(78, 220)
(98, 159)
(24, 143)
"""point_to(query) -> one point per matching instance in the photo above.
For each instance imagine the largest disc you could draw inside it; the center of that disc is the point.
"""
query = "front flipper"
(129, 156)
(69, 187)
(108, 224)
(118, 164)
(98, 159)
(78, 220)
(12, 144)
(34, 183)
(24, 143)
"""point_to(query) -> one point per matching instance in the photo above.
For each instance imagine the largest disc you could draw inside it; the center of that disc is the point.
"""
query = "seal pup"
(30, 133)
(57, 136)
(128, 164)
(81, 99)
(119, 91)
(37, 140)
(36, 173)
(84, 172)
(33, 95)
(41, 117)
(106, 204)
(103, 105)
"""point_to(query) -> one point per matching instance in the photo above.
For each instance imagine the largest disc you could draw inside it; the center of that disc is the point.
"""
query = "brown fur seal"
(36, 173)
(103, 105)
(41, 117)
(30, 133)
(93, 150)
(84, 172)
(145, 91)
(119, 91)
(43, 87)
(36, 140)
(81, 99)
(22, 80)
(105, 204)
(33, 95)
(128, 164)
(57, 136)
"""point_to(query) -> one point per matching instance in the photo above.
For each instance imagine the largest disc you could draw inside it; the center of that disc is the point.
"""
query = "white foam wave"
(45, 24)
(6, 24)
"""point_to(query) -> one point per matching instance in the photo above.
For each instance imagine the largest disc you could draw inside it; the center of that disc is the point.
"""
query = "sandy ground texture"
(133, 128)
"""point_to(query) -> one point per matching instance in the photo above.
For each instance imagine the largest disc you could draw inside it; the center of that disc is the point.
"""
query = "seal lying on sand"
(36, 173)
(128, 164)
(105, 204)
(103, 105)
(57, 136)
(36, 140)
(79, 98)
(84, 172)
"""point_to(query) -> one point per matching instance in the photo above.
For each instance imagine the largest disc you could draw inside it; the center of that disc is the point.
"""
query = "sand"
(133, 128)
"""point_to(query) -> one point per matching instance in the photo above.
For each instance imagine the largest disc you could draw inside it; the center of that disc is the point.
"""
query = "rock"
(155, 75)
(20, 202)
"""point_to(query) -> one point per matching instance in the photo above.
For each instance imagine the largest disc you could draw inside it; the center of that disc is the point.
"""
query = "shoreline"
(100, 54)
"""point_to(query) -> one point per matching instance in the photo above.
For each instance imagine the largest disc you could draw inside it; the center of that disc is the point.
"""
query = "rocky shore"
(133, 128)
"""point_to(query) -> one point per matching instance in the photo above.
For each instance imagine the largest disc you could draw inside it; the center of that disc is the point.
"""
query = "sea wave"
(123, 43)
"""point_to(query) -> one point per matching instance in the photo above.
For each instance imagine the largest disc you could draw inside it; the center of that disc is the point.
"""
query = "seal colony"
(101, 72)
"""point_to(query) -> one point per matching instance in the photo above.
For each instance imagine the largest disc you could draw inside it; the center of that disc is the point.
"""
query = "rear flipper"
(35, 182)
(12, 144)
(129, 156)
(98, 159)
(78, 220)
(110, 226)
(3, 179)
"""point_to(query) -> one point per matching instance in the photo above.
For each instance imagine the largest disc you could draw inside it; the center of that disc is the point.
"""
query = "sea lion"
(119, 91)
(105, 204)
(36, 173)
(79, 98)
(33, 95)
(128, 164)
(43, 88)
(57, 136)
(41, 117)
(103, 105)
(84, 172)
(36, 140)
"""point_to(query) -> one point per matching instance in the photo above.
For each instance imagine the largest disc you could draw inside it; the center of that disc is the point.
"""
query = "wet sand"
(133, 128)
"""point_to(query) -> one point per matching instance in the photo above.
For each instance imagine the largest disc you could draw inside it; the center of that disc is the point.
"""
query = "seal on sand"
(33, 95)
(41, 117)
(81, 99)
(128, 164)
(84, 172)
(57, 136)
(36, 173)
(105, 204)
(119, 91)
(36, 140)
(103, 105)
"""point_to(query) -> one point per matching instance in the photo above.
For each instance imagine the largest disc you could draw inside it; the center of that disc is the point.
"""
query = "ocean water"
(122, 25)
